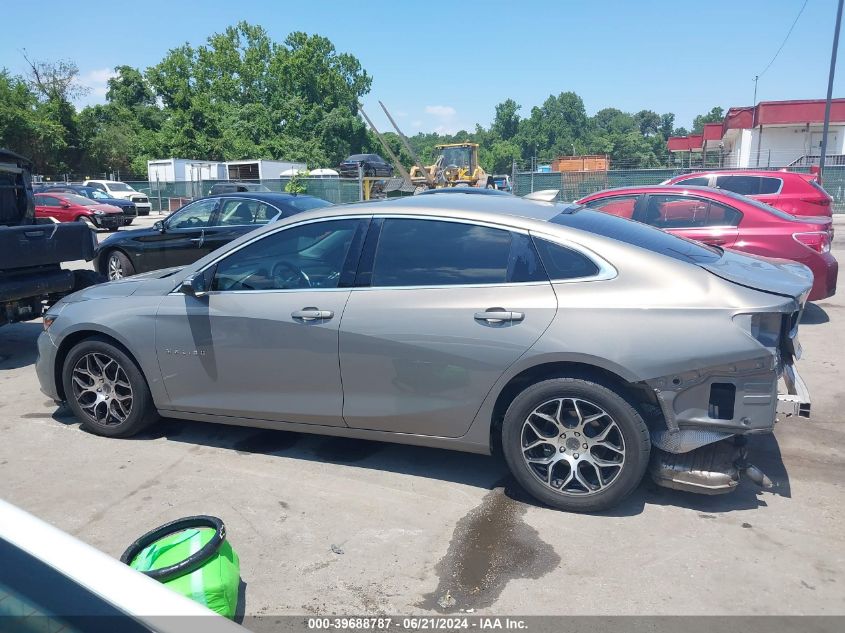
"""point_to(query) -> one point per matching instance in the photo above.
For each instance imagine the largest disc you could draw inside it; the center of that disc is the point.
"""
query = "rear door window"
(749, 185)
(621, 206)
(682, 212)
(439, 253)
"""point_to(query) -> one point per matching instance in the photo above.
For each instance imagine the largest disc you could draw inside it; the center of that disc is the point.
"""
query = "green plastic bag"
(213, 584)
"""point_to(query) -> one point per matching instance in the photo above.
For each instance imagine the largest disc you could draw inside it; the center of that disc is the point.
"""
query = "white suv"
(122, 191)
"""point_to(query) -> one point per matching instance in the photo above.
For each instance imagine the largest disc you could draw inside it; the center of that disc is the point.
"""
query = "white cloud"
(97, 83)
(445, 129)
(441, 111)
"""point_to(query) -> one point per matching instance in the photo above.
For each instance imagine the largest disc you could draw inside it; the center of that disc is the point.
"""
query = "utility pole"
(830, 89)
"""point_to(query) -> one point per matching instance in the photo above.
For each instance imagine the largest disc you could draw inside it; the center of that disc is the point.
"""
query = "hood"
(776, 276)
(121, 287)
(105, 208)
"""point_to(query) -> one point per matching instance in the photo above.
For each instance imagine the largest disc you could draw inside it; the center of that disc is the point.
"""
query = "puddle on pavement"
(346, 450)
(491, 546)
(265, 442)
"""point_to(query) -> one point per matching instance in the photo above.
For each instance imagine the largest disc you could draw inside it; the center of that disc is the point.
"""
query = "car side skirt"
(451, 443)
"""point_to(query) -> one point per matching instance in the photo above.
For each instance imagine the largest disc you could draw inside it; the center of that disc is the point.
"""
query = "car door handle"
(498, 315)
(312, 314)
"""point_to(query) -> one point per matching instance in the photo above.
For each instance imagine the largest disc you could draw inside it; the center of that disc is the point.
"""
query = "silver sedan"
(577, 343)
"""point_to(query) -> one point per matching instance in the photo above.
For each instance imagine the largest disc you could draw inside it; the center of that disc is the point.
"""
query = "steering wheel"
(286, 275)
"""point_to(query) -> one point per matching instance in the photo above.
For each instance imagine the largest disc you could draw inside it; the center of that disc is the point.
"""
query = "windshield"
(118, 186)
(355, 158)
(304, 203)
(95, 193)
(458, 156)
(637, 234)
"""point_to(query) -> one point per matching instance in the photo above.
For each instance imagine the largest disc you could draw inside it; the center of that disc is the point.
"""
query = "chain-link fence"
(169, 196)
(577, 184)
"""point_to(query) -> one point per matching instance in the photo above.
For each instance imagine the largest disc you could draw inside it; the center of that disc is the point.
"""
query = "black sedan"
(372, 165)
(195, 230)
(130, 212)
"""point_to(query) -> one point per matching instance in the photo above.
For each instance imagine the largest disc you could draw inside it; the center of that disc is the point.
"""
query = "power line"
(794, 22)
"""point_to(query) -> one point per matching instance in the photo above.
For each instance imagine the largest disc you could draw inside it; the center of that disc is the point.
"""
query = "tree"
(716, 115)
(648, 122)
(667, 121)
(506, 121)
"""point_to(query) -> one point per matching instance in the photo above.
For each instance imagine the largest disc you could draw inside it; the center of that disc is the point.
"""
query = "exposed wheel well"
(70, 341)
(103, 259)
(637, 393)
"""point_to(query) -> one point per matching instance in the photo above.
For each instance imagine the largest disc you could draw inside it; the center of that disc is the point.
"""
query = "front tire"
(575, 445)
(106, 391)
(118, 266)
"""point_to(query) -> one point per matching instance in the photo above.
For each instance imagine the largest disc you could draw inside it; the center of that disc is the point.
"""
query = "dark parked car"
(195, 230)
(130, 212)
(235, 187)
(372, 165)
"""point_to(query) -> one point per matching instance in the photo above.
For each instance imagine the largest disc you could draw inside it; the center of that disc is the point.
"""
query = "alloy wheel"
(102, 389)
(573, 446)
(115, 267)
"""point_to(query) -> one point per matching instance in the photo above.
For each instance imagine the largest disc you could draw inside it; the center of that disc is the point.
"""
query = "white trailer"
(260, 169)
(184, 170)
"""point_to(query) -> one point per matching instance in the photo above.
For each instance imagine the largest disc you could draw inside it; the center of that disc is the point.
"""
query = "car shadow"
(481, 471)
(814, 314)
(18, 344)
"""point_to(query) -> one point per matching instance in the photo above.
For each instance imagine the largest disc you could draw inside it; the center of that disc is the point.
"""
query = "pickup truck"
(32, 251)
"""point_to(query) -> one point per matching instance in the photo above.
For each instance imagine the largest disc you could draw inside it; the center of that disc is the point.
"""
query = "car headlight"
(99, 212)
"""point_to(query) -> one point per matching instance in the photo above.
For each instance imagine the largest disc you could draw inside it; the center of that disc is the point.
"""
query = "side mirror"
(198, 284)
(65, 204)
(159, 226)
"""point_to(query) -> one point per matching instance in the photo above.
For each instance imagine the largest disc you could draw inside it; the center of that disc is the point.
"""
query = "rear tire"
(106, 390)
(575, 445)
(118, 266)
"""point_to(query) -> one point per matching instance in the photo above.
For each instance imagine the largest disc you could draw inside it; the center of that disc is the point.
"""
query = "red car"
(790, 191)
(728, 220)
(69, 207)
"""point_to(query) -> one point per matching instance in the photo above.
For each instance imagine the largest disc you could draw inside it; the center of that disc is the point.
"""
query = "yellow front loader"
(456, 166)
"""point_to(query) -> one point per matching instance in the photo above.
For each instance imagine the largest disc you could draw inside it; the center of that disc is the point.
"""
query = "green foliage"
(716, 115)
(296, 184)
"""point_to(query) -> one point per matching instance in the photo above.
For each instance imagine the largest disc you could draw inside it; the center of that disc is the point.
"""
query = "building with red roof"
(770, 134)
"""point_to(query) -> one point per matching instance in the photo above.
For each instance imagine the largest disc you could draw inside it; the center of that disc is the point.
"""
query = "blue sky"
(439, 70)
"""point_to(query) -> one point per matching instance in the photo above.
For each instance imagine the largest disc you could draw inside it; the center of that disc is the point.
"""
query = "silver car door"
(263, 342)
(441, 318)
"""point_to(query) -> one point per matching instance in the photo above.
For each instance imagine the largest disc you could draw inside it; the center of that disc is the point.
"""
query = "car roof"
(508, 210)
(276, 197)
(769, 173)
(636, 189)
(469, 190)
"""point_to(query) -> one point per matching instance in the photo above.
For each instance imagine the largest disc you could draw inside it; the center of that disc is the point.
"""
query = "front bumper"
(111, 221)
(143, 208)
(45, 366)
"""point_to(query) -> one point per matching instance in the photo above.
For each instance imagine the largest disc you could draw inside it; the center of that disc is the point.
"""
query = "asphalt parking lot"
(336, 526)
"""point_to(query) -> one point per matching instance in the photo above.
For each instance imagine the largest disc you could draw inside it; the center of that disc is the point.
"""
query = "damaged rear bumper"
(796, 401)
(704, 410)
